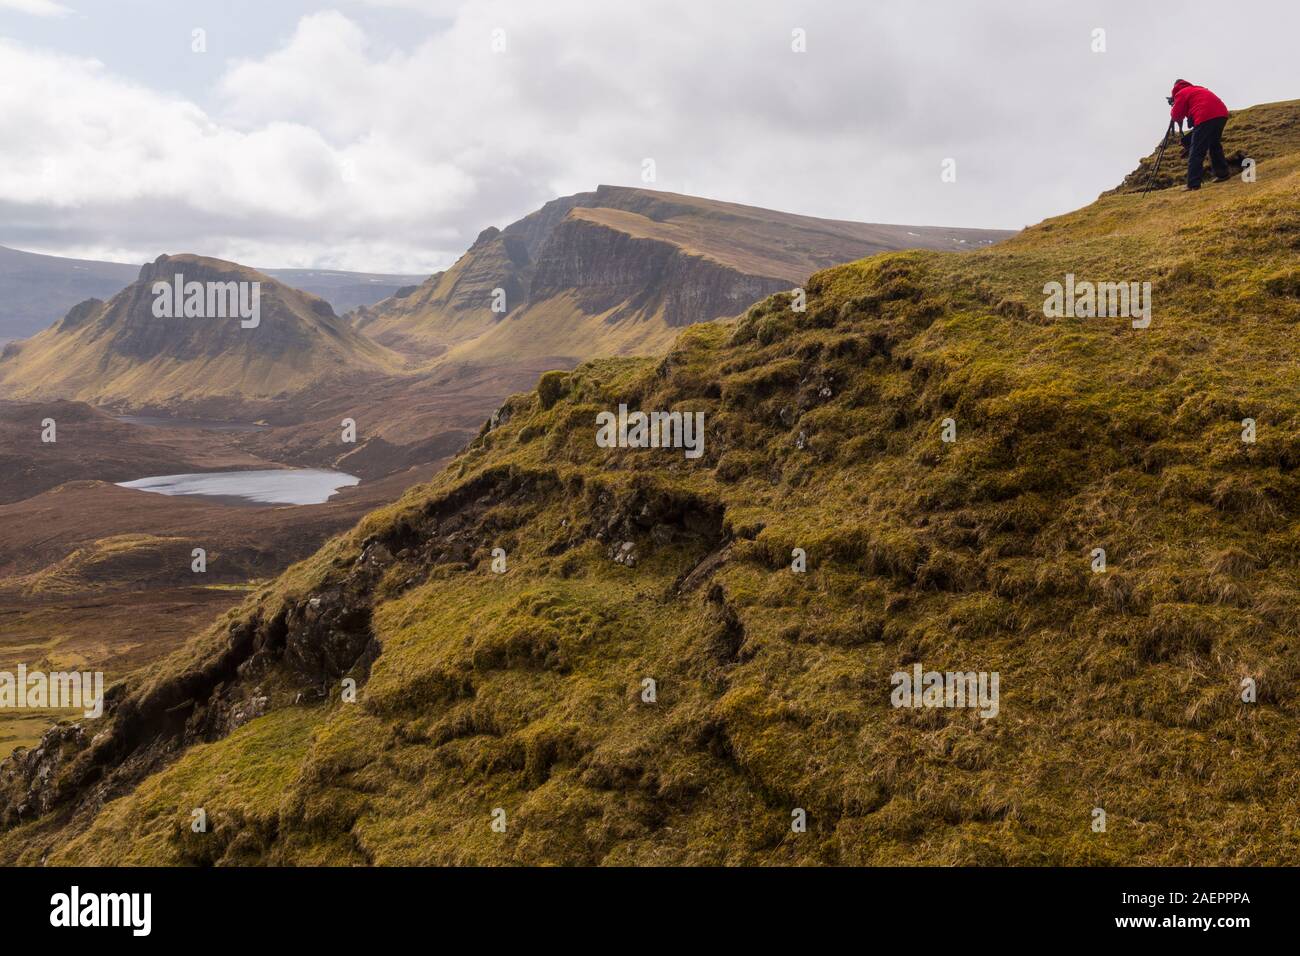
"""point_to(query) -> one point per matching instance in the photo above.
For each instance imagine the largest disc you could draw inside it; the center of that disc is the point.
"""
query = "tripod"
(1169, 130)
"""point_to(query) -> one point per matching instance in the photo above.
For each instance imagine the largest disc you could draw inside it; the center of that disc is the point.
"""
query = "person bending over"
(1208, 116)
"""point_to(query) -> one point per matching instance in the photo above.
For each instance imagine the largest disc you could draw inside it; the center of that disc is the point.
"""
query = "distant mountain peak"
(617, 269)
(128, 351)
(36, 290)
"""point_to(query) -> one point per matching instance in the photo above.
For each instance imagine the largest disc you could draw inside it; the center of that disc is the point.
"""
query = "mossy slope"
(1119, 690)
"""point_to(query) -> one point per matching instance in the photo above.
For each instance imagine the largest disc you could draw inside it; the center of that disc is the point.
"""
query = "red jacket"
(1196, 103)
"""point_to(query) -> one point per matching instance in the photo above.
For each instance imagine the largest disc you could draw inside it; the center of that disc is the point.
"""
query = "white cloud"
(345, 147)
(38, 8)
(151, 172)
(432, 8)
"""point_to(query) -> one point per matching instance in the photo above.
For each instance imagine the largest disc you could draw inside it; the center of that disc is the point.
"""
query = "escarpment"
(618, 271)
(622, 276)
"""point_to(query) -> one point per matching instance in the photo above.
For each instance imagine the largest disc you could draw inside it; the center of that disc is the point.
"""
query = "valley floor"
(98, 577)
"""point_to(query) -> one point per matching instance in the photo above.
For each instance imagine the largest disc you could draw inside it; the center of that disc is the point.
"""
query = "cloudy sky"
(383, 135)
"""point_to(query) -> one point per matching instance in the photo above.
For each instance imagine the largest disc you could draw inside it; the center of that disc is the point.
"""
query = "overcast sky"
(383, 135)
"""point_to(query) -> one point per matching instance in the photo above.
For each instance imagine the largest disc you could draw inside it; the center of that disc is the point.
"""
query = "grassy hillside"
(523, 690)
(119, 353)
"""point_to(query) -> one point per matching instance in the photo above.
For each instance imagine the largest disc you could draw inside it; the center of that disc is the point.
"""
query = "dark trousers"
(1207, 137)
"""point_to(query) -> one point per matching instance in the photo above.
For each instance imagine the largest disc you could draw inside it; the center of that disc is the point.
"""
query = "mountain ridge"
(626, 266)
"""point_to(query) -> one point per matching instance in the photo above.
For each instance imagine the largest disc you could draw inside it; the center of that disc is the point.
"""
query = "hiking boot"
(1189, 189)
(1221, 179)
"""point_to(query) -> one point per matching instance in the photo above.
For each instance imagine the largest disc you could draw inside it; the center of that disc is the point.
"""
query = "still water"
(281, 486)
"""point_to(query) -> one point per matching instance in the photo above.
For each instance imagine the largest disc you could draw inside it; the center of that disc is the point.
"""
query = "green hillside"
(1120, 690)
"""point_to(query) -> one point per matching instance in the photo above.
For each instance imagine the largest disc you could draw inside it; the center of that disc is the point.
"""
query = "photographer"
(1208, 115)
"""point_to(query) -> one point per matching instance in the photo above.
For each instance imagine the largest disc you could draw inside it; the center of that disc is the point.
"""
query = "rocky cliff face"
(496, 260)
(640, 277)
(288, 320)
(535, 228)
(457, 304)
